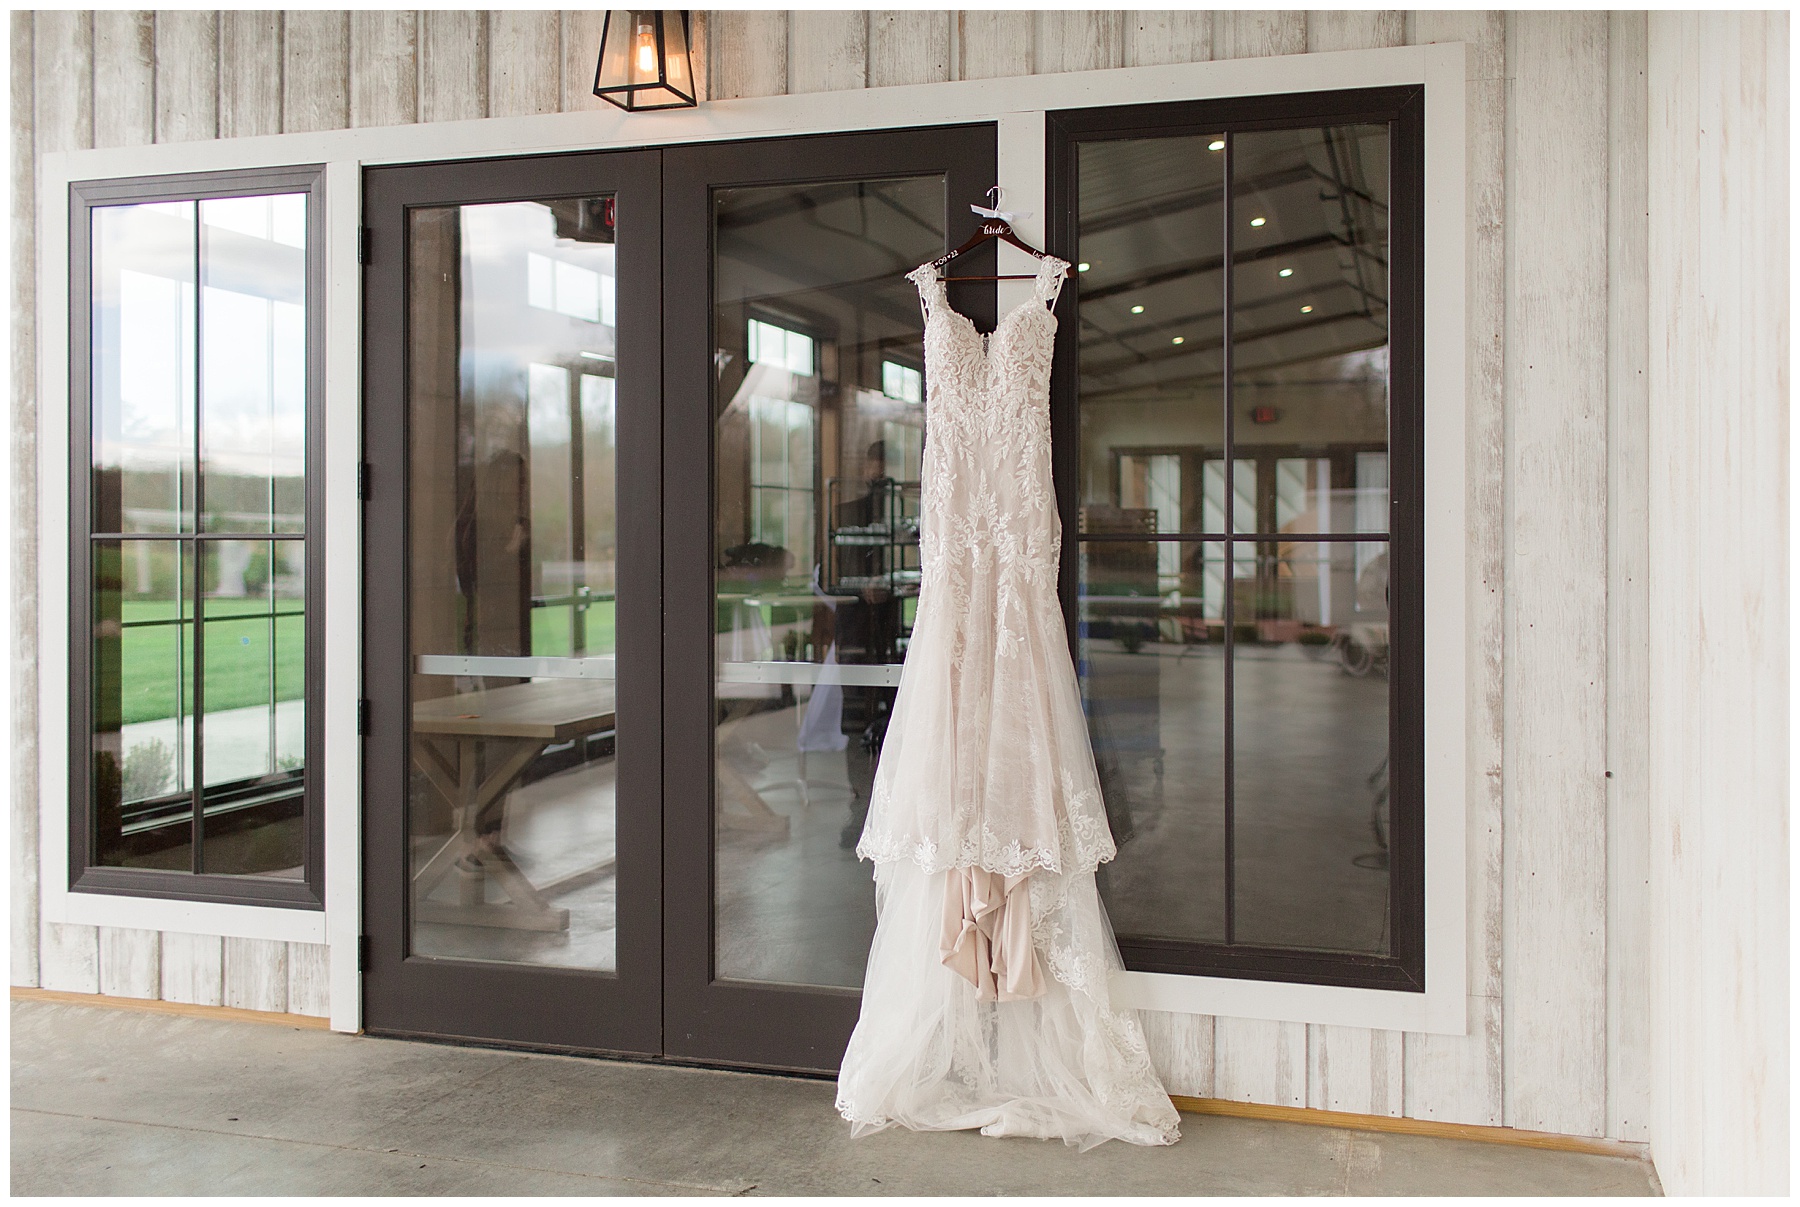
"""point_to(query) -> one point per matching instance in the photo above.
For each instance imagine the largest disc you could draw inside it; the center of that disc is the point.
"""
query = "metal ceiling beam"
(1207, 264)
(1249, 337)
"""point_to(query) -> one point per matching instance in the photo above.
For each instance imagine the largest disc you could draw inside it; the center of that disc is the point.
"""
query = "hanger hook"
(995, 195)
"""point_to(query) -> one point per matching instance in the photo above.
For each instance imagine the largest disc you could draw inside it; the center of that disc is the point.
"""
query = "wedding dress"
(986, 1002)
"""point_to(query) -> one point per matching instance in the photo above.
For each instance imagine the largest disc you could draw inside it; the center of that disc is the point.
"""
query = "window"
(569, 289)
(196, 548)
(902, 382)
(780, 348)
(783, 397)
(1245, 592)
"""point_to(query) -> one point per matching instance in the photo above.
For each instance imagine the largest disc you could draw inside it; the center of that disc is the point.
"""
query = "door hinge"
(365, 239)
(362, 953)
(362, 481)
(362, 718)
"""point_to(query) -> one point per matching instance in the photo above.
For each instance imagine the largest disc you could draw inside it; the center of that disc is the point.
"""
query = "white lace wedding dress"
(986, 1003)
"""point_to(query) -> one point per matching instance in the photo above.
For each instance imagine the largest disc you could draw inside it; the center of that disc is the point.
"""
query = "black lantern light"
(644, 61)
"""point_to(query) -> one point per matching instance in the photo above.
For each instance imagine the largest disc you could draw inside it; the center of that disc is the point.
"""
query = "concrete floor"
(108, 1101)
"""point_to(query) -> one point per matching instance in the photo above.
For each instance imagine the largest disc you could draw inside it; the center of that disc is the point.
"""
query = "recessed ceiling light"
(1180, 339)
(1083, 266)
(1137, 310)
(1287, 272)
(1306, 310)
(1217, 144)
(1257, 221)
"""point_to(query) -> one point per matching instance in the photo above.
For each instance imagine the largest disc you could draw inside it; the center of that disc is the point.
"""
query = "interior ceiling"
(832, 258)
(1152, 233)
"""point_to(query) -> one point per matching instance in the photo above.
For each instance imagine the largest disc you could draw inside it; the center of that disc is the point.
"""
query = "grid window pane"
(142, 680)
(251, 794)
(143, 367)
(1310, 725)
(1152, 674)
(252, 365)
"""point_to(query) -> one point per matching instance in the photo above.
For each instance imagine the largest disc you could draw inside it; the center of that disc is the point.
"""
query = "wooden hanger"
(994, 226)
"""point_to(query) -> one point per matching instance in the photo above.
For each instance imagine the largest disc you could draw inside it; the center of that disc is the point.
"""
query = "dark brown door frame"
(706, 1019)
(526, 1005)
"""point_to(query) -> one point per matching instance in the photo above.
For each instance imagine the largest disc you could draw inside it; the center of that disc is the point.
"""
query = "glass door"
(643, 435)
(512, 639)
(797, 423)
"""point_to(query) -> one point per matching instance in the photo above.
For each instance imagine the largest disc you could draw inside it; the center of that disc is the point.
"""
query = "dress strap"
(1050, 277)
(931, 286)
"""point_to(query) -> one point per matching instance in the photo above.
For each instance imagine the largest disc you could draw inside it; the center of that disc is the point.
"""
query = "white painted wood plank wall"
(1627, 577)
(1555, 669)
(1550, 420)
(249, 73)
(1718, 443)
(22, 803)
(125, 76)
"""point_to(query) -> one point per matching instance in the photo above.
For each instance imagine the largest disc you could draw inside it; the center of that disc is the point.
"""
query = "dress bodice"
(986, 489)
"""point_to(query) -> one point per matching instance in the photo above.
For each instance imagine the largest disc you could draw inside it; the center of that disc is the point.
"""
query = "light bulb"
(1257, 221)
(1180, 339)
(1137, 310)
(1306, 310)
(1083, 266)
(646, 48)
(1287, 272)
(1217, 144)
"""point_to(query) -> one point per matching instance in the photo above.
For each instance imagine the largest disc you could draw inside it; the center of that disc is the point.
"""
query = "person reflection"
(867, 626)
(493, 575)
(493, 557)
(746, 572)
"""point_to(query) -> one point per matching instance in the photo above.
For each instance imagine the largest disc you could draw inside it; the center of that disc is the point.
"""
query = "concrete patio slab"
(108, 1101)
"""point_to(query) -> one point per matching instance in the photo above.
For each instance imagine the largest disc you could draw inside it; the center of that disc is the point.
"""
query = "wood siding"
(1557, 425)
(1555, 666)
(1627, 581)
(1717, 441)
(1460, 1078)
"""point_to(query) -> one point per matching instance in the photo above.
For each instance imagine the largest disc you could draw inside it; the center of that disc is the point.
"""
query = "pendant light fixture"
(644, 61)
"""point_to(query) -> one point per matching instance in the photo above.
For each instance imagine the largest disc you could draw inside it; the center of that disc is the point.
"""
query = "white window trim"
(1018, 106)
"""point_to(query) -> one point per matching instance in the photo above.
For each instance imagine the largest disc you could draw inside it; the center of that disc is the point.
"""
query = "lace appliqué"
(1083, 840)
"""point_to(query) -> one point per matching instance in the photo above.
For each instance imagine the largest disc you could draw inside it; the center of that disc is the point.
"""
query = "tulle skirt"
(927, 1055)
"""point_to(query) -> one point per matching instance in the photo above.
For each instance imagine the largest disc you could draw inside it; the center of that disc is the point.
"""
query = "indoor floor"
(120, 1101)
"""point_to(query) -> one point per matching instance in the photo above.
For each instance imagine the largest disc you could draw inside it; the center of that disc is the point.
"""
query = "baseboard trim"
(220, 1013)
(1412, 1127)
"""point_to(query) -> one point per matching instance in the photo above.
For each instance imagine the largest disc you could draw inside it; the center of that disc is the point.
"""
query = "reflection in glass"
(1297, 628)
(1153, 681)
(1309, 334)
(512, 365)
(253, 714)
(1310, 713)
(253, 363)
(144, 352)
(143, 701)
(1151, 224)
(820, 432)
